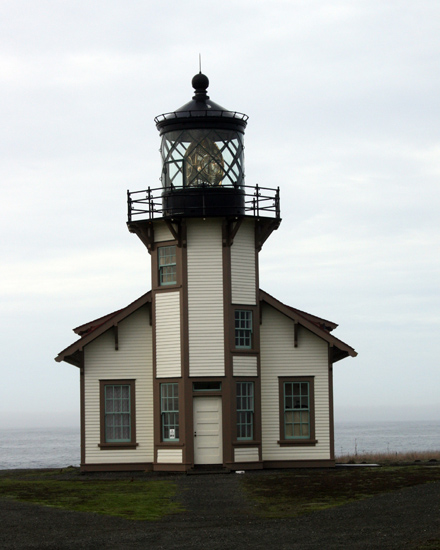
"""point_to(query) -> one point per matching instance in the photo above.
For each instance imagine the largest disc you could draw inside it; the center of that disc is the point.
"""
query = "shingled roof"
(91, 330)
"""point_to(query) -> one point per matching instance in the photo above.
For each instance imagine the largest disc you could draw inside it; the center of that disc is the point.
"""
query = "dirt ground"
(219, 516)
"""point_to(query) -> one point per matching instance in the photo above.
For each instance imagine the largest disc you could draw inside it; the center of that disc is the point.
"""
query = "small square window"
(243, 328)
(167, 265)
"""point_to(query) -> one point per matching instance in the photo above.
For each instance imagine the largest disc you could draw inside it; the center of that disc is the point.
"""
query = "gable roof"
(320, 327)
(91, 330)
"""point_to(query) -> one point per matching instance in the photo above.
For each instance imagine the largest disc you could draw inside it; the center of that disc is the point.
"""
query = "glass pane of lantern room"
(193, 158)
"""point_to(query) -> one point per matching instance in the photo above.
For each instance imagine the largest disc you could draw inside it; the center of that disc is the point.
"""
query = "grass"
(300, 492)
(130, 498)
(389, 458)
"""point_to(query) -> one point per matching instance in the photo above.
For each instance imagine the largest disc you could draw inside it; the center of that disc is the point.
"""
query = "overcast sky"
(343, 99)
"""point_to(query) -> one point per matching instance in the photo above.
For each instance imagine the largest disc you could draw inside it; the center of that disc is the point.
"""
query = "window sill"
(117, 446)
(172, 444)
(297, 442)
(245, 442)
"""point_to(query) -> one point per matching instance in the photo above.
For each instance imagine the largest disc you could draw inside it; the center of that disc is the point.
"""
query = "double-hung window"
(169, 410)
(245, 410)
(117, 413)
(167, 265)
(243, 328)
(297, 418)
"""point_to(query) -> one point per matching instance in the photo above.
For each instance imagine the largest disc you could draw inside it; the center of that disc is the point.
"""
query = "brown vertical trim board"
(187, 408)
(82, 410)
(330, 404)
(228, 421)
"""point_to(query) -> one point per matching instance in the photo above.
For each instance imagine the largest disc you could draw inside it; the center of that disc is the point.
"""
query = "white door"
(208, 441)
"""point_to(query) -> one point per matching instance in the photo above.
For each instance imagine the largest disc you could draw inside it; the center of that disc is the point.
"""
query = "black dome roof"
(201, 112)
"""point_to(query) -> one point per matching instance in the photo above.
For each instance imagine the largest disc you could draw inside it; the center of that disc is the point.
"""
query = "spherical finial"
(200, 83)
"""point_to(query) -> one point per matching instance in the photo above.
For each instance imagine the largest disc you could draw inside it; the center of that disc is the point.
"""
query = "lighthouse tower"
(203, 229)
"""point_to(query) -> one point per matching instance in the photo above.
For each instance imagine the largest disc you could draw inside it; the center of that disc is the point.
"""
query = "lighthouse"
(205, 370)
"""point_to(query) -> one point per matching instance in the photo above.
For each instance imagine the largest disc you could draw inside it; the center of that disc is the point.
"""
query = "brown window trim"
(253, 350)
(155, 283)
(310, 441)
(103, 444)
(246, 443)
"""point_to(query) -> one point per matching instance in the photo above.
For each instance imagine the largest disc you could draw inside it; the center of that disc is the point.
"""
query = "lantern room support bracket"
(230, 229)
(263, 229)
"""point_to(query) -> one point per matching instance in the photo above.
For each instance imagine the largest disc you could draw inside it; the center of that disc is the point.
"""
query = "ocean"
(60, 447)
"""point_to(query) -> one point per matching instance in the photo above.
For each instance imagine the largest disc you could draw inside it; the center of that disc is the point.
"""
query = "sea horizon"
(51, 447)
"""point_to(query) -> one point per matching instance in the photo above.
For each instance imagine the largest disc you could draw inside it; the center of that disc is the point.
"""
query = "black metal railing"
(150, 203)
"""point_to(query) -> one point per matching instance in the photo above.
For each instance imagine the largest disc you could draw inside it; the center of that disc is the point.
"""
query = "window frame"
(250, 330)
(131, 443)
(160, 283)
(169, 412)
(251, 410)
(297, 440)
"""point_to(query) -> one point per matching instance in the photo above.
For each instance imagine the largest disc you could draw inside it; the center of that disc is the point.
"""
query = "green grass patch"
(136, 499)
(292, 494)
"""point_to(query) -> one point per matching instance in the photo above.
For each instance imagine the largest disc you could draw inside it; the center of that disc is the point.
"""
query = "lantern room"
(202, 175)
(202, 157)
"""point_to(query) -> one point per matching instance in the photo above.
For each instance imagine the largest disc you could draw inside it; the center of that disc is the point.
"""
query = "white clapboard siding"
(244, 365)
(168, 353)
(161, 232)
(132, 361)
(279, 357)
(243, 265)
(169, 456)
(245, 454)
(205, 298)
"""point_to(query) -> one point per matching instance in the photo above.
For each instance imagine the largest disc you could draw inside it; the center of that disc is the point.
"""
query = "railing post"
(129, 205)
(277, 203)
(150, 203)
(258, 202)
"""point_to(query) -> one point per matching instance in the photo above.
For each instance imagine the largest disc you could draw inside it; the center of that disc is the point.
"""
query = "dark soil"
(220, 515)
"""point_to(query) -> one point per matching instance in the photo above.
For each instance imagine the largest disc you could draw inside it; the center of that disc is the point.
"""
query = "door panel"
(208, 443)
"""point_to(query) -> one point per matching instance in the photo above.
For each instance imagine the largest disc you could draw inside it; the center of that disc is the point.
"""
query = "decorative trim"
(82, 393)
(118, 467)
(319, 463)
(117, 446)
(116, 336)
(297, 442)
(330, 405)
(263, 229)
(145, 231)
(234, 466)
(165, 467)
(246, 442)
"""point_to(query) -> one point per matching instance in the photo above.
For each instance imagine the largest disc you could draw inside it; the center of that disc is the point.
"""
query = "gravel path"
(219, 517)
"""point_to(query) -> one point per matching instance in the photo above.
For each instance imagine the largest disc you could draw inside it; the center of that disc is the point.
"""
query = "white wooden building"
(205, 369)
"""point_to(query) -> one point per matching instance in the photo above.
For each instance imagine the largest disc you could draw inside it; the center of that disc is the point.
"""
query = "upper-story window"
(243, 328)
(167, 265)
